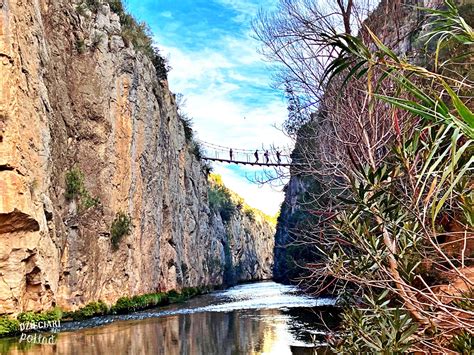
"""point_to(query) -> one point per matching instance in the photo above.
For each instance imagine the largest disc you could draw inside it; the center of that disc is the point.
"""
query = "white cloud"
(243, 6)
(247, 7)
(189, 69)
(226, 88)
(166, 14)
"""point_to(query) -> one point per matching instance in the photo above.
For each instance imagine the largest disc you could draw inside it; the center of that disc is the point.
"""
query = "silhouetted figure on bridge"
(266, 157)
(278, 157)
(231, 154)
(256, 156)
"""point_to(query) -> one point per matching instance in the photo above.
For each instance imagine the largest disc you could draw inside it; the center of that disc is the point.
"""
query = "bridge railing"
(247, 156)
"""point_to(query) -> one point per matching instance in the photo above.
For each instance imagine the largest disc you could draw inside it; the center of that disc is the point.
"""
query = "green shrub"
(220, 200)
(92, 309)
(74, 183)
(207, 167)
(93, 5)
(173, 295)
(191, 291)
(55, 314)
(463, 343)
(188, 127)
(378, 329)
(121, 226)
(8, 326)
(123, 305)
(250, 214)
(227, 210)
(80, 46)
(185, 294)
(117, 7)
(161, 64)
(197, 149)
(466, 301)
(98, 38)
(228, 203)
(75, 189)
(136, 303)
(88, 201)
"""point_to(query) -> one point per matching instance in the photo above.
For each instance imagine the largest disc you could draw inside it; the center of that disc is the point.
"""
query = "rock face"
(75, 96)
(287, 228)
(397, 23)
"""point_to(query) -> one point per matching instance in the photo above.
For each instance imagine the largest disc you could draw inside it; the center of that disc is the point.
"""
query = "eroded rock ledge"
(74, 95)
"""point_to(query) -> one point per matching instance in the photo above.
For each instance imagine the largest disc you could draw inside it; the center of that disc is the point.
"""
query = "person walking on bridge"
(231, 154)
(266, 157)
(278, 157)
(256, 156)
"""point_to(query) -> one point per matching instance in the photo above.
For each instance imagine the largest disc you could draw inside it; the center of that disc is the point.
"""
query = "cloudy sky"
(226, 83)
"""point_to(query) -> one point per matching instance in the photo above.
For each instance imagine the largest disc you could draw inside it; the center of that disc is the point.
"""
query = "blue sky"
(225, 81)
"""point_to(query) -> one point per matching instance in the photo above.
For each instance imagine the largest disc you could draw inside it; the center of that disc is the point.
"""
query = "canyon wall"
(76, 97)
(399, 24)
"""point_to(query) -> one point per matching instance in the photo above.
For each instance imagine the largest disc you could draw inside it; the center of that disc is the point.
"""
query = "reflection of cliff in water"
(242, 332)
(249, 319)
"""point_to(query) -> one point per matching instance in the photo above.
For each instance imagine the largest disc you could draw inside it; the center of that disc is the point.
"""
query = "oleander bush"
(392, 134)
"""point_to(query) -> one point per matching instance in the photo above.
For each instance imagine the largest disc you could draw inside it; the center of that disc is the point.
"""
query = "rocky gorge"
(88, 133)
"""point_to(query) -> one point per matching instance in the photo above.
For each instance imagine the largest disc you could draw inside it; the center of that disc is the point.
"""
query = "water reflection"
(208, 325)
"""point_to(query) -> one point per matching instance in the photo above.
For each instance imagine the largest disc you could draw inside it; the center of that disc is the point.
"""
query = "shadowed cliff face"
(74, 95)
(397, 24)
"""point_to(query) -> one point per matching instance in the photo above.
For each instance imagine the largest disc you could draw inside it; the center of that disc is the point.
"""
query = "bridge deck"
(248, 163)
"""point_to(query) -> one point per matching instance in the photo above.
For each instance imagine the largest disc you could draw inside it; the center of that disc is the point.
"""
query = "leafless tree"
(349, 132)
(292, 37)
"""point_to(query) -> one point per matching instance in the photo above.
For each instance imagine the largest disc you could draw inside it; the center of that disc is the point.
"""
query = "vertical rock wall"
(75, 96)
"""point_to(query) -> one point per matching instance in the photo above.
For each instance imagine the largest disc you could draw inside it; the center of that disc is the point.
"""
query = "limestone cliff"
(74, 95)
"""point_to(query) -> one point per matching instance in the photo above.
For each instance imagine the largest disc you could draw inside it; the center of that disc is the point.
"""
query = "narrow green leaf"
(382, 47)
(462, 109)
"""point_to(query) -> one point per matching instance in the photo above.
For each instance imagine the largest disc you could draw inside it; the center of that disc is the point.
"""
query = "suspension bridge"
(272, 157)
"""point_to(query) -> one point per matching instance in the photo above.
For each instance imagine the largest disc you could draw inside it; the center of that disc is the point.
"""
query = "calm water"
(257, 318)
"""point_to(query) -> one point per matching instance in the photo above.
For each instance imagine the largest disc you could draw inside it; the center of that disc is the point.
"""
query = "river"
(256, 318)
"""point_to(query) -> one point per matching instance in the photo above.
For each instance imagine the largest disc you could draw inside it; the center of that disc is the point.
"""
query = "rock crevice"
(74, 95)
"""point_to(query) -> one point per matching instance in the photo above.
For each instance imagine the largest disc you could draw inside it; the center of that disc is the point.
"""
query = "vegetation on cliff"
(134, 33)
(76, 190)
(391, 150)
(227, 202)
(121, 226)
